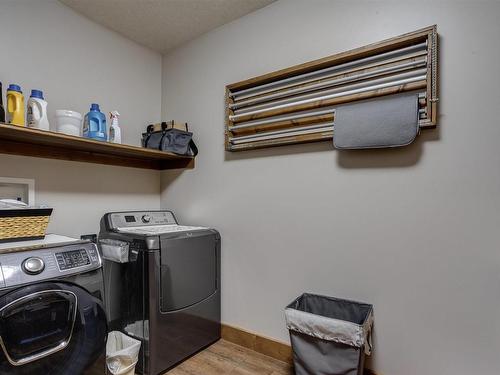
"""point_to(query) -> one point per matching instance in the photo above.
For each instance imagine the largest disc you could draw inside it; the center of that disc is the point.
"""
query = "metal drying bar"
(415, 48)
(330, 83)
(293, 131)
(297, 104)
(340, 93)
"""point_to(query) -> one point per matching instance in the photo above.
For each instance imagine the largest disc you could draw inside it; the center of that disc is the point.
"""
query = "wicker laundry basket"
(23, 224)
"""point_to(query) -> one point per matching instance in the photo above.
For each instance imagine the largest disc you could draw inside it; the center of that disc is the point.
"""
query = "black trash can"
(329, 336)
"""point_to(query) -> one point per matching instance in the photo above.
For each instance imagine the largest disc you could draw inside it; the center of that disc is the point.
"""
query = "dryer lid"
(156, 230)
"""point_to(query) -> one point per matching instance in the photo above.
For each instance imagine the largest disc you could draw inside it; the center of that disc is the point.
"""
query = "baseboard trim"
(261, 344)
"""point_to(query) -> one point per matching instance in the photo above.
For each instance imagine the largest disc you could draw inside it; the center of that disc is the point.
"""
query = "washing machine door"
(50, 328)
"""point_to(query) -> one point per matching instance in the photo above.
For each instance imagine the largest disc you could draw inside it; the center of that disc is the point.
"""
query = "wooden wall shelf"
(16, 140)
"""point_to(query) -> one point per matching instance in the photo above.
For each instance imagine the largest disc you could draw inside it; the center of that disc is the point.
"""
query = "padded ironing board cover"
(390, 121)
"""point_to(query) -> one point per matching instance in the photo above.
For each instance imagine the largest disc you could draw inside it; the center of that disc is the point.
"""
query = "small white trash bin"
(122, 353)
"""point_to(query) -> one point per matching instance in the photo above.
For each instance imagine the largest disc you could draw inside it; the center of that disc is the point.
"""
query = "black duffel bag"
(170, 139)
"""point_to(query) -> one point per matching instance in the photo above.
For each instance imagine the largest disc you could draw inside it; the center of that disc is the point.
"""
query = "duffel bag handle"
(192, 147)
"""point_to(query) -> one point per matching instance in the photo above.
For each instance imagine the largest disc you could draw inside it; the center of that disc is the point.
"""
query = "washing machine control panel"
(140, 218)
(41, 264)
(72, 259)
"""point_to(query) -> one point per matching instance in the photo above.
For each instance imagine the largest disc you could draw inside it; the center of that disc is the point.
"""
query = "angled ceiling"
(164, 24)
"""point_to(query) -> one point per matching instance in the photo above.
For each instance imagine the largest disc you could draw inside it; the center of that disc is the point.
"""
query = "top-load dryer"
(162, 283)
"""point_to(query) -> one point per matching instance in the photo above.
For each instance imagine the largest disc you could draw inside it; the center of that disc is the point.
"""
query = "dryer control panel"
(42, 264)
(139, 219)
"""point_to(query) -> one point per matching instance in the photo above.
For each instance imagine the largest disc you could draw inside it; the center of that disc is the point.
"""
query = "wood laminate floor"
(227, 358)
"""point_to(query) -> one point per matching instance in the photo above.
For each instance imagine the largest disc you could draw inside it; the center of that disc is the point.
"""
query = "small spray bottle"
(115, 133)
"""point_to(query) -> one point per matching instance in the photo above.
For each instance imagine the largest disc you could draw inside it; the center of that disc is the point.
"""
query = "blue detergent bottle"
(94, 124)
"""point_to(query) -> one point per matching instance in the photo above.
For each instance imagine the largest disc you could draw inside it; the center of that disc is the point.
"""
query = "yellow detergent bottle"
(15, 105)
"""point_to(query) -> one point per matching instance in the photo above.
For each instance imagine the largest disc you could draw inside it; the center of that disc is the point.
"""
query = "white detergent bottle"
(115, 133)
(37, 111)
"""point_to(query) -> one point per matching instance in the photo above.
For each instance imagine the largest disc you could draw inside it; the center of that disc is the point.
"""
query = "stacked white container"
(69, 122)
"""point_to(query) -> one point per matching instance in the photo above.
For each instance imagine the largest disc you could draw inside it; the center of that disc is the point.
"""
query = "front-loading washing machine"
(52, 317)
(162, 284)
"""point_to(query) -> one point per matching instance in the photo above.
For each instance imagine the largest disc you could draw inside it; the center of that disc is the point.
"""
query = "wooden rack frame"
(297, 104)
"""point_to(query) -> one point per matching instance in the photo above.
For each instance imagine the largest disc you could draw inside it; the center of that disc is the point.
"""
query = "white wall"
(47, 46)
(413, 231)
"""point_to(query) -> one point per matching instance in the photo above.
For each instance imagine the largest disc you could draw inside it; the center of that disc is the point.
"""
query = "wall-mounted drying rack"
(297, 104)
